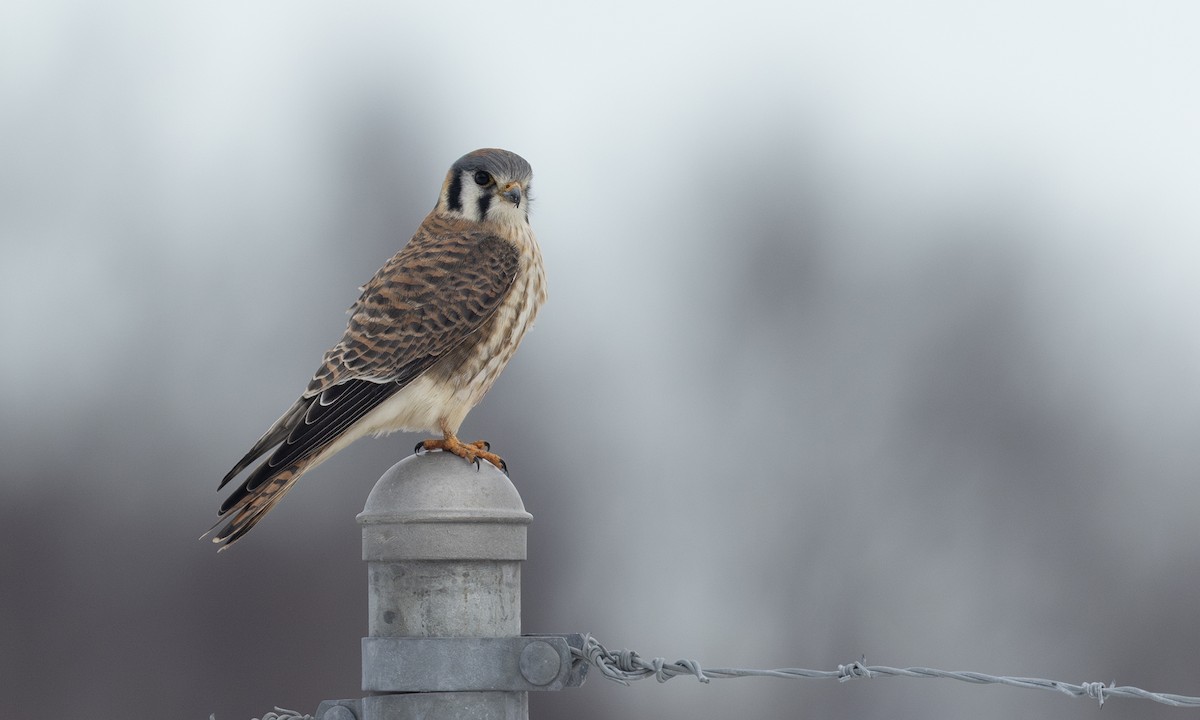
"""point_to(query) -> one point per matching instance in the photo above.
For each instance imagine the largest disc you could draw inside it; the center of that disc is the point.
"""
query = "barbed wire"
(625, 666)
(279, 714)
(284, 714)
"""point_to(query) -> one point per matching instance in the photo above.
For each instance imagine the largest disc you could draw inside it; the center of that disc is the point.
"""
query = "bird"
(426, 339)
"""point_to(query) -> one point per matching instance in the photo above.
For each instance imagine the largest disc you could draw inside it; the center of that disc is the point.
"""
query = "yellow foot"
(471, 452)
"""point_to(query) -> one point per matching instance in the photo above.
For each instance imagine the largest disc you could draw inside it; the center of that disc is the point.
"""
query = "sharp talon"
(476, 461)
(503, 466)
(419, 448)
(487, 446)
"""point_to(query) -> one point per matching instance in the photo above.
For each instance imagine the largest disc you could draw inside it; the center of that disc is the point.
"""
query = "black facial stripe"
(485, 201)
(454, 193)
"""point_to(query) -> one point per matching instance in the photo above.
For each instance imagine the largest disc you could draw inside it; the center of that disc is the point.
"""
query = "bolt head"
(338, 712)
(540, 663)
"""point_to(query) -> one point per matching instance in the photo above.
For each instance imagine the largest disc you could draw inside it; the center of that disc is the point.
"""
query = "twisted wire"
(625, 666)
(285, 714)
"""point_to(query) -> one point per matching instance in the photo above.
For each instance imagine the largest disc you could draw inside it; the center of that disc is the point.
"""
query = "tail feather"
(251, 506)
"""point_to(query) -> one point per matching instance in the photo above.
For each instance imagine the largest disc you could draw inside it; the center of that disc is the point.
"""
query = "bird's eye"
(482, 178)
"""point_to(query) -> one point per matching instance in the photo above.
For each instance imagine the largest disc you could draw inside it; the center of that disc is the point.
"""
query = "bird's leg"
(471, 452)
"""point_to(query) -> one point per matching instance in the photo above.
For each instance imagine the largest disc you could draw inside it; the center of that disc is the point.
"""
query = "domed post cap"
(437, 506)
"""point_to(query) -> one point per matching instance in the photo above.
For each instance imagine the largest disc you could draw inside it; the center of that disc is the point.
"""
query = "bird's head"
(488, 185)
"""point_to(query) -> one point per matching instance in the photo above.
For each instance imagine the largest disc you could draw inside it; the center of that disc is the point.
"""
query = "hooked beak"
(513, 193)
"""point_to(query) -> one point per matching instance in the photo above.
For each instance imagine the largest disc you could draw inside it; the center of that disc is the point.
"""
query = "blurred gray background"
(872, 331)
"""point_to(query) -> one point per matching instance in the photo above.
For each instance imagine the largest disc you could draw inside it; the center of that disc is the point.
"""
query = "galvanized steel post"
(444, 541)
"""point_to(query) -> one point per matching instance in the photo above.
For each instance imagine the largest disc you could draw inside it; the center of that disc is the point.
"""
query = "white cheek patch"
(470, 199)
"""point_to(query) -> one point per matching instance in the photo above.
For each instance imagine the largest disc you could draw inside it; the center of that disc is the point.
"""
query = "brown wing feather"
(422, 304)
(425, 301)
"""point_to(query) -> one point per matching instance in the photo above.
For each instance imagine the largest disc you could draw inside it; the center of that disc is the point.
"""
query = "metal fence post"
(444, 541)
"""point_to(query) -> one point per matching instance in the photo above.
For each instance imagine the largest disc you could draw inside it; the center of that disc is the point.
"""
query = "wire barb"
(625, 666)
(856, 669)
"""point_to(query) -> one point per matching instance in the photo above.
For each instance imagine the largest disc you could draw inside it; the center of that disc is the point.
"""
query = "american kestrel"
(426, 340)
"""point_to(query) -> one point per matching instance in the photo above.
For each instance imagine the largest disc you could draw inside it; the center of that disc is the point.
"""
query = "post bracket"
(455, 664)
